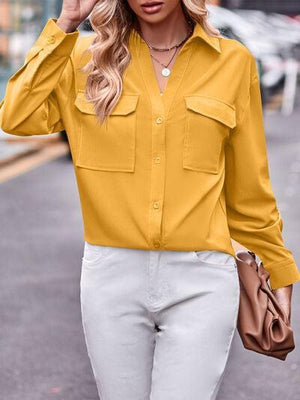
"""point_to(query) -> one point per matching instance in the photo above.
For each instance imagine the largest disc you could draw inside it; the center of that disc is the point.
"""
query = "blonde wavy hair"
(112, 21)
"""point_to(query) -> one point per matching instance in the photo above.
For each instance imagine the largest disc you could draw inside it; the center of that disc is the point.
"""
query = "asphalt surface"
(42, 350)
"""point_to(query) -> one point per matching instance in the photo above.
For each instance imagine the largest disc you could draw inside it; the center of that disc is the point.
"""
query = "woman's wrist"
(66, 25)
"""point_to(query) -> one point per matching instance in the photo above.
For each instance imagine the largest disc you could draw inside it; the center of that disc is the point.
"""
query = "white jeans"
(158, 324)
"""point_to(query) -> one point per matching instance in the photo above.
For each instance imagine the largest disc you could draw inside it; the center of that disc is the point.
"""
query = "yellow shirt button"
(159, 120)
(155, 205)
(51, 39)
(157, 159)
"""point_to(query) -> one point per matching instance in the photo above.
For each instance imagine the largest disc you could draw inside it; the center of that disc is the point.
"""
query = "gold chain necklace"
(166, 71)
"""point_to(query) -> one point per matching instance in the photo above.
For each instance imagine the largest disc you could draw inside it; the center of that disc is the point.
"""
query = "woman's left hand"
(284, 297)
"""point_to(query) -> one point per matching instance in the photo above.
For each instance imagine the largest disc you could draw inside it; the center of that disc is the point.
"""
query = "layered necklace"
(165, 71)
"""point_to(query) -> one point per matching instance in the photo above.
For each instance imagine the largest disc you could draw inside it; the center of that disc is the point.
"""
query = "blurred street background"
(42, 350)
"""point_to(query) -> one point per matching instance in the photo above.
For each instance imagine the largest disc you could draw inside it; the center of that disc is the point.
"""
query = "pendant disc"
(165, 72)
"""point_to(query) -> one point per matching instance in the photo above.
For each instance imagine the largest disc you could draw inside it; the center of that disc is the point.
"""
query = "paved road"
(42, 350)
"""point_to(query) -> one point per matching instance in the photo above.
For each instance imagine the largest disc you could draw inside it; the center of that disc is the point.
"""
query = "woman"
(165, 126)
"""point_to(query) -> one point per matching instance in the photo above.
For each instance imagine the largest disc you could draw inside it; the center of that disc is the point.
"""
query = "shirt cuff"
(54, 40)
(283, 273)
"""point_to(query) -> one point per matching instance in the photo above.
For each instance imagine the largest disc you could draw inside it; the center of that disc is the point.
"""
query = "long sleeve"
(30, 105)
(253, 216)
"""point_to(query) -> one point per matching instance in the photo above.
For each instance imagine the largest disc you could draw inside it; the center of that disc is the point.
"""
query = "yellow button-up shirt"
(185, 169)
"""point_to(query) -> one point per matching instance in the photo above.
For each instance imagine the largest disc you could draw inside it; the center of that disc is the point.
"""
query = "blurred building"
(20, 23)
(290, 7)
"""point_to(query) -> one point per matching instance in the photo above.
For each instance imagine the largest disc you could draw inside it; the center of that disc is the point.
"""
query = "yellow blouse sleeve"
(253, 216)
(30, 105)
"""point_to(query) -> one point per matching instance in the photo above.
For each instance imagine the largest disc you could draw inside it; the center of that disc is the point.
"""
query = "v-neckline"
(143, 55)
(155, 75)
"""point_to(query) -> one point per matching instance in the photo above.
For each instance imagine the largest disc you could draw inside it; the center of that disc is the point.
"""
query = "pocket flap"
(83, 105)
(125, 105)
(213, 108)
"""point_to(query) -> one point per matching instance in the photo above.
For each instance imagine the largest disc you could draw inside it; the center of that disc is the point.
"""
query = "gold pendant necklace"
(166, 71)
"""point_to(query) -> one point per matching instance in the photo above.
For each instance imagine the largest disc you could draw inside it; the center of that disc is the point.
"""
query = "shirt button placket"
(157, 174)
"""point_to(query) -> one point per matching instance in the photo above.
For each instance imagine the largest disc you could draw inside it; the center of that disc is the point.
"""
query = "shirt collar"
(198, 32)
(211, 40)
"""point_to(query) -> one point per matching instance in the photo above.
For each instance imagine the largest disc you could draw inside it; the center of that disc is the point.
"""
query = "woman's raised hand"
(73, 13)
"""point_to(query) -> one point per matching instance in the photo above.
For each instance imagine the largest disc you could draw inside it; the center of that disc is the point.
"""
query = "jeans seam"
(217, 385)
(92, 361)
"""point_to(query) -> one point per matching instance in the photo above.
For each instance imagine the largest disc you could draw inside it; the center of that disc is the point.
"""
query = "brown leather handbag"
(262, 323)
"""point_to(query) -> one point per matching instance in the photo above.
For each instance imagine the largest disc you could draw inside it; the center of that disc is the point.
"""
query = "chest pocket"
(110, 146)
(207, 124)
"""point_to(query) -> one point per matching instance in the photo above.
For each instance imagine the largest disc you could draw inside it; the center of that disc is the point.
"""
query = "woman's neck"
(167, 32)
